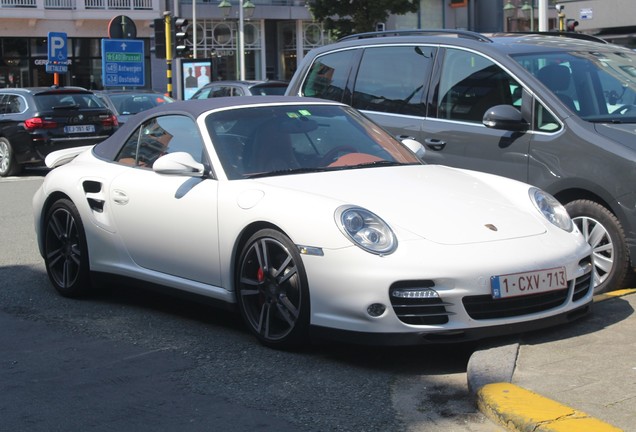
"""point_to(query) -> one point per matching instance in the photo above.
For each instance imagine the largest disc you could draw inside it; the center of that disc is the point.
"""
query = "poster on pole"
(194, 74)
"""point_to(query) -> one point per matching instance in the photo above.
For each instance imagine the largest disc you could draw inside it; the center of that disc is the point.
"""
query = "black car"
(125, 103)
(557, 110)
(36, 121)
(241, 88)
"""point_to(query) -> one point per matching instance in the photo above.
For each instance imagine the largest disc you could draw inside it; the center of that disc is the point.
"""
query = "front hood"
(622, 133)
(441, 204)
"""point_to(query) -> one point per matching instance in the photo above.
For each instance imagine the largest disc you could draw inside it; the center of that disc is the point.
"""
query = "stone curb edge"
(489, 375)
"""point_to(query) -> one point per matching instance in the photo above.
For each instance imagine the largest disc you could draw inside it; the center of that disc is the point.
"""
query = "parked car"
(556, 110)
(309, 218)
(125, 103)
(240, 88)
(36, 121)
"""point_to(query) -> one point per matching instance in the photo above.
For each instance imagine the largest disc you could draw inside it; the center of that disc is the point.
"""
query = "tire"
(604, 233)
(65, 250)
(8, 165)
(272, 291)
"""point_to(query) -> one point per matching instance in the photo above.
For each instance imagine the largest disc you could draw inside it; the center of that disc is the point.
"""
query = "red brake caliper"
(260, 275)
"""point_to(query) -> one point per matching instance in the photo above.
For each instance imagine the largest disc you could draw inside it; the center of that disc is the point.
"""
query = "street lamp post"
(510, 10)
(528, 11)
(245, 8)
(194, 29)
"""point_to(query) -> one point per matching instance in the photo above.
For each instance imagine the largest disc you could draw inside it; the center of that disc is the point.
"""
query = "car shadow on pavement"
(604, 314)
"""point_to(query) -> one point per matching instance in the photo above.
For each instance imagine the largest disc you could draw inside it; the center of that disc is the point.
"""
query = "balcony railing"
(123, 4)
(79, 4)
(118, 4)
(18, 3)
(59, 4)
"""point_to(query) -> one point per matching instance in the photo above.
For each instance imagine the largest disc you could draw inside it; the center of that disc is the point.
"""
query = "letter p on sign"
(58, 51)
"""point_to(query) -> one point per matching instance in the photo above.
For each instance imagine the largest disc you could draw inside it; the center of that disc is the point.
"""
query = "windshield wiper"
(289, 171)
(380, 163)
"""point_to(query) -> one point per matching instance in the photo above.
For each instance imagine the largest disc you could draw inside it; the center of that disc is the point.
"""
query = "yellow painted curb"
(521, 410)
(613, 294)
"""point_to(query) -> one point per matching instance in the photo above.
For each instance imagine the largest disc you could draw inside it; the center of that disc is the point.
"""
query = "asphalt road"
(128, 359)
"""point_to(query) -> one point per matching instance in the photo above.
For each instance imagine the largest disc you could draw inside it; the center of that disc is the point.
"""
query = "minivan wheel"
(8, 165)
(602, 230)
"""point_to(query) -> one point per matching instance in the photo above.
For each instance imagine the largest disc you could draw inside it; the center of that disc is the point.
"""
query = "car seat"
(557, 78)
(271, 150)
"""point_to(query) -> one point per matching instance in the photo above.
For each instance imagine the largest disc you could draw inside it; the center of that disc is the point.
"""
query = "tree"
(344, 17)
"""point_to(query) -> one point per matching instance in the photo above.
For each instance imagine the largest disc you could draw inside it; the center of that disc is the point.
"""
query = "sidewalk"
(579, 377)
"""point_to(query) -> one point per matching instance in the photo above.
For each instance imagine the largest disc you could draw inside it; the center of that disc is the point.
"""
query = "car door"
(391, 84)
(466, 85)
(168, 223)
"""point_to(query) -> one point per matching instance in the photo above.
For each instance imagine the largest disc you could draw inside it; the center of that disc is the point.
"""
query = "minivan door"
(391, 84)
(465, 86)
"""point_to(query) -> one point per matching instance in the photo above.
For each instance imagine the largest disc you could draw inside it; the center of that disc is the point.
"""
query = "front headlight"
(551, 209)
(366, 230)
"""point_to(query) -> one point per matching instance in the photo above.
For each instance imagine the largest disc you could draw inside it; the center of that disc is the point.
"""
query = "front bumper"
(345, 283)
(451, 336)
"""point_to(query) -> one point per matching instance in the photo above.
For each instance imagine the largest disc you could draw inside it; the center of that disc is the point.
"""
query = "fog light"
(376, 309)
(415, 293)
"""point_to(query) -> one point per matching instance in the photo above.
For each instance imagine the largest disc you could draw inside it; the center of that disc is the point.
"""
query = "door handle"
(120, 197)
(434, 144)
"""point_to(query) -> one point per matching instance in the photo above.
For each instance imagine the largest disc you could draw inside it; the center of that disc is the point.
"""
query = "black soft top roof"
(109, 148)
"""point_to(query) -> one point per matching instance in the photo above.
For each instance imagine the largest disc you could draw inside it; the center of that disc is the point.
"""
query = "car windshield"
(289, 139)
(134, 103)
(597, 86)
(268, 90)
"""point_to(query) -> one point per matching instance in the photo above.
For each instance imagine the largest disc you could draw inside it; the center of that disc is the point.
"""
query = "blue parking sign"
(57, 53)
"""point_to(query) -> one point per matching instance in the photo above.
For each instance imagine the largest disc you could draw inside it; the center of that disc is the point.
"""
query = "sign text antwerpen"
(123, 62)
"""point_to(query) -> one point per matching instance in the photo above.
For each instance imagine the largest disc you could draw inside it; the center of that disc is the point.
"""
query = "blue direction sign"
(57, 53)
(123, 63)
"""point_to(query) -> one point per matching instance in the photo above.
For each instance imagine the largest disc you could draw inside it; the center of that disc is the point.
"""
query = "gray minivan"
(557, 110)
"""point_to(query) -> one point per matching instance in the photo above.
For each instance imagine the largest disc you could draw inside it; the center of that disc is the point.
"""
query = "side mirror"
(505, 117)
(178, 163)
(415, 146)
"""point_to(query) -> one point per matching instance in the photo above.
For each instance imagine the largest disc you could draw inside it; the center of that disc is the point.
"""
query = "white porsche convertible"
(309, 219)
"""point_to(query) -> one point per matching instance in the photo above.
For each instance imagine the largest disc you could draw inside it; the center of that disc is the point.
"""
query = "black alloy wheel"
(65, 250)
(272, 290)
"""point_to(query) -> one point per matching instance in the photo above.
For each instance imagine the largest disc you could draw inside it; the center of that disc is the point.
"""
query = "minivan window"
(328, 76)
(597, 86)
(392, 79)
(469, 85)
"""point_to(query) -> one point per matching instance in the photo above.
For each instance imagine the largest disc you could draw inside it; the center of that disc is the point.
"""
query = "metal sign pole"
(167, 18)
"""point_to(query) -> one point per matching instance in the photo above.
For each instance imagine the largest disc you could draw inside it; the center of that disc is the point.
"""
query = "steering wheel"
(624, 109)
(335, 153)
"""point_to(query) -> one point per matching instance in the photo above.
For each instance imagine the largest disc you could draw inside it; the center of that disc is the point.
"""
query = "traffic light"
(160, 38)
(180, 37)
(571, 25)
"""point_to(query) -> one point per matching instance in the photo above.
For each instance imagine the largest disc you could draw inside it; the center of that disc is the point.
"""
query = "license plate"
(526, 283)
(79, 129)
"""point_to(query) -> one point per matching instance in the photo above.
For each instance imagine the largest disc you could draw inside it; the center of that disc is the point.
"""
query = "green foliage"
(345, 17)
